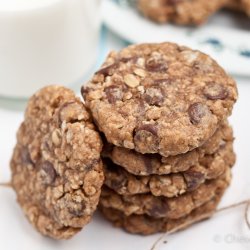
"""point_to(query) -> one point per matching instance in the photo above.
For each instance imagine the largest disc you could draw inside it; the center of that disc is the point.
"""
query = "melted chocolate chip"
(146, 139)
(148, 127)
(159, 210)
(197, 111)
(156, 65)
(193, 179)
(113, 93)
(109, 70)
(154, 96)
(76, 209)
(214, 91)
(50, 172)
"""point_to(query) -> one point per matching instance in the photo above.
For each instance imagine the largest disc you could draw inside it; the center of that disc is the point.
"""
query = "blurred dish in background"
(225, 37)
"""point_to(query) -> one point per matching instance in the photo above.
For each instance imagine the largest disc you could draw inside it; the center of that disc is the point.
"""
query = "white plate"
(226, 37)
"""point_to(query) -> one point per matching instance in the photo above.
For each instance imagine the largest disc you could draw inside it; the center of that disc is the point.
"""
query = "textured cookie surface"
(147, 164)
(162, 207)
(209, 167)
(159, 98)
(144, 224)
(246, 6)
(179, 11)
(240, 5)
(56, 168)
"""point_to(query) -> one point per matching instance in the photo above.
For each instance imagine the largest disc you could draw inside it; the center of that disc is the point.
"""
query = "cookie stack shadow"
(149, 193)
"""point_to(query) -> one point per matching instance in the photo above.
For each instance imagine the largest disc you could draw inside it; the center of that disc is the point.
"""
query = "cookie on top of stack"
(163, 110)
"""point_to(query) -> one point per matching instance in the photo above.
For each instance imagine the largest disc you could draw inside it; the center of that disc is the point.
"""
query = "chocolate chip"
(154, 96)
(113, 93)
(76, 209)
(146, 139)
(197, 111)
(214, 91)
(109, 70)
(148, 127)
(159, 210)
(156, 65)
(193, 179)
(48, 171)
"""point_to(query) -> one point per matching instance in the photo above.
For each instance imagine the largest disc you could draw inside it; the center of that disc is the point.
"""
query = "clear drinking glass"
(46, 42)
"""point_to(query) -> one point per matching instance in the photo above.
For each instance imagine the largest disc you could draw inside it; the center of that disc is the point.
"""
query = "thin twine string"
(238, 204)
(6, 184)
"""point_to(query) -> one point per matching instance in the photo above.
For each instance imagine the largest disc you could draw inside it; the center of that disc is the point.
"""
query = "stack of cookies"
(162, 109)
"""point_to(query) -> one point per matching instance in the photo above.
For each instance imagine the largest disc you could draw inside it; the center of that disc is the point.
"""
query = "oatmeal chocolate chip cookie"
(193, 12)
(56, 168)
(162, 207)
(147, 164)
(234, 5)
(145, 225)
(171, 185)
(159, 98)
(246, 6)
(239, 5)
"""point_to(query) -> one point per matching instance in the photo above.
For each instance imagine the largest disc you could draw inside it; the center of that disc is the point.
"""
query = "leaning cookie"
(148, 164)
(162, 207)
(159, 98)
(172, 185)
(145, 225)
(56, 168)
(193, 12)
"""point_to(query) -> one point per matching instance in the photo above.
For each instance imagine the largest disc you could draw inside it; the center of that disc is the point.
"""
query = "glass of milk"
(46, 42)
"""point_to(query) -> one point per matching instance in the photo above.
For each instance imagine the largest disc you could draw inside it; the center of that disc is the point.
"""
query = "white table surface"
(223, 231)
